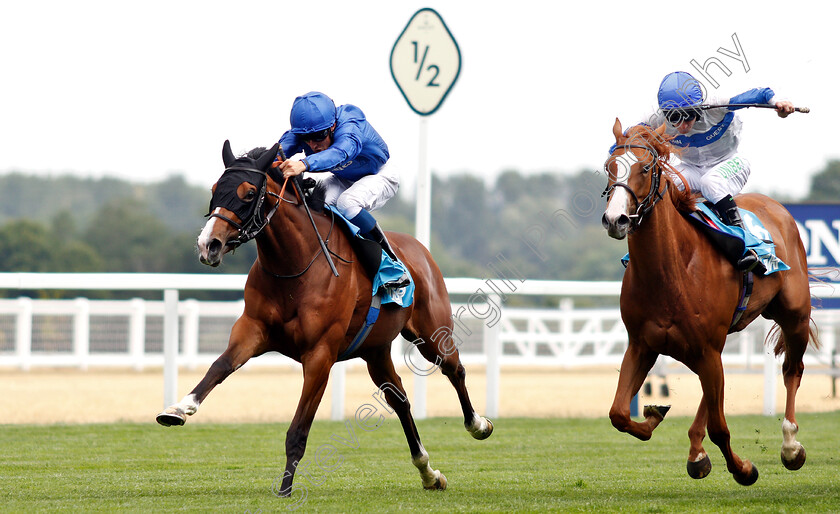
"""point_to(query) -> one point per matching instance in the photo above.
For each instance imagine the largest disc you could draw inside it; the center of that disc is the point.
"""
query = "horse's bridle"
(249, 228)
(654, 195)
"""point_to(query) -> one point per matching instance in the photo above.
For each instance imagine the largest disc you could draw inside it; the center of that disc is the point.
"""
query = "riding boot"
(378, 235)
(731, 216)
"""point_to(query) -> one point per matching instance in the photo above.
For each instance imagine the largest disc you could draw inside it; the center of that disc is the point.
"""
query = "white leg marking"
(700, 456)
(478, 425)
(790, 446)
(189, 405)
(429, 475)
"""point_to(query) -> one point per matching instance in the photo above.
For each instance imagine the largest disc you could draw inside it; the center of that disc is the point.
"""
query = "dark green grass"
(527, 465)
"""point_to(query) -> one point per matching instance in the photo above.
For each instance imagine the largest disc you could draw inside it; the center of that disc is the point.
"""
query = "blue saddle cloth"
(389, 269)
(756, 237)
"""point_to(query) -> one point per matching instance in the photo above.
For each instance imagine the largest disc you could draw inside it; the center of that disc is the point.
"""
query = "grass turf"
(526, 465)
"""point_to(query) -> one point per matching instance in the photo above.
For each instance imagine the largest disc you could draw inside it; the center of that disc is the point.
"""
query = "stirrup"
(751, 262)
(397, 283)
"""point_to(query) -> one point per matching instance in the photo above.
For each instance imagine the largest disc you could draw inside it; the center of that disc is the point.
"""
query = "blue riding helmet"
(312, 112)
(679, 90)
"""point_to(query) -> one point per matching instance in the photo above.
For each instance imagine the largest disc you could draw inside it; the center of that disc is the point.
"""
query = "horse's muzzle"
(211, 254)
(617, 226)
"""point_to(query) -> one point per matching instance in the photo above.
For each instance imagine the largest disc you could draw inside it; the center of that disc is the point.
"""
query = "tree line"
(536, 226)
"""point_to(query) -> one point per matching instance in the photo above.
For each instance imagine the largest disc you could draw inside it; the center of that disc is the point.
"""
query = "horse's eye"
(250, 195)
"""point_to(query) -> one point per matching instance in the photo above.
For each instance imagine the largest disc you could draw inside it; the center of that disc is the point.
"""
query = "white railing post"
(493, 352)
(191, 311)
(338, 381)
(81, 332)
(137, 333)
(170, 347)
(23, 333)
(770, 374)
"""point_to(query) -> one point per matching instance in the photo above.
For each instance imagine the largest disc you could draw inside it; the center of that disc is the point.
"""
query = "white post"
(137, 333)
(81, 332)
(23, 333)
(422, 230)
(770, 376)
(493, 352)
(191, 312)
(338, 381)
(170, 347)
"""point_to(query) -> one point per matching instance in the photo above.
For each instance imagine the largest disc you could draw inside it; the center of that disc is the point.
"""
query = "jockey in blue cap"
(708, 139)
(342, 142)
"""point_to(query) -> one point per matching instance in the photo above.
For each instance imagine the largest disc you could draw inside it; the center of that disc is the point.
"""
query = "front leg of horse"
(316, 371)
(634, 369)
(246, 338)
(176, 415)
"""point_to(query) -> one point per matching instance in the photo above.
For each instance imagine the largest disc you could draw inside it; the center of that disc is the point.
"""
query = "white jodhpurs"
(369, 192)
(717, 182)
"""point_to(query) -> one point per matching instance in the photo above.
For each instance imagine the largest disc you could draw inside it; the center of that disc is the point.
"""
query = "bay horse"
(679, 294)
(295, 305)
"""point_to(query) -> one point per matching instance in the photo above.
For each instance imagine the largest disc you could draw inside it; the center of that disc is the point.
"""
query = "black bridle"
(654, 195)
(251, 227)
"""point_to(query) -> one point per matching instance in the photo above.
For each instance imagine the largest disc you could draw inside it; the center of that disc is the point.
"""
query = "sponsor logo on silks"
(339, 167)
(770, 263)
(397, 294)
(704, 138)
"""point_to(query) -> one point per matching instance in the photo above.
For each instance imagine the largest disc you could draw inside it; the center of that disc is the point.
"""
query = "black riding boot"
(728, 212)
(377, 234)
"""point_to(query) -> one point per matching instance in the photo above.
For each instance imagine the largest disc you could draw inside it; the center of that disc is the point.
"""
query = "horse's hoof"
(657, 411)
(749, 479)
(440, 483)
(797, 461)
(484, 434)
(699, 469)
(172, 417)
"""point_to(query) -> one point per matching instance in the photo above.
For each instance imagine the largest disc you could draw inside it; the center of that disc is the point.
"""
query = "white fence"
(171, 333)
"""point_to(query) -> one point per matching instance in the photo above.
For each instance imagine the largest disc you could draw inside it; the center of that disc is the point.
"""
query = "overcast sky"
(143, 90)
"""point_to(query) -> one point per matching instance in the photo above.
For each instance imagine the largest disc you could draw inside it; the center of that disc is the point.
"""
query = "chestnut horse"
(295, 305)
(679, 295)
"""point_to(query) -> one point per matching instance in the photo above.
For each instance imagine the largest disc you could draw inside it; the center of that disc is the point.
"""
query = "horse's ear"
(617, 130)
(267, 157)
(227, 154)
(660, 131)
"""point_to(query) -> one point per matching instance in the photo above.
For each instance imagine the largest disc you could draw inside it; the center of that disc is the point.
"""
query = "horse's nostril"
(215, 246)
(623, 220)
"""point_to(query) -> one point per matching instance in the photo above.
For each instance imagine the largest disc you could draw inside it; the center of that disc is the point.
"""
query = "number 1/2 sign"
(425, 61)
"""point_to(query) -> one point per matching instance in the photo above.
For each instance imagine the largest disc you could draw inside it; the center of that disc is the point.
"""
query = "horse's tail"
(776, 335)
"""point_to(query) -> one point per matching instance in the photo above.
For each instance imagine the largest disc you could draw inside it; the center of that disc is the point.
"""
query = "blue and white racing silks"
(357, 148)
(715, 135)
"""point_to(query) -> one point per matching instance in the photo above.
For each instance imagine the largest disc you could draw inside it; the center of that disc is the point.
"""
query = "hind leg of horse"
(316, 373)
(382, 372)
(795, 343)
(634, 370)
(440, 348)
(246, 337)
(710, 371)
(698, 465)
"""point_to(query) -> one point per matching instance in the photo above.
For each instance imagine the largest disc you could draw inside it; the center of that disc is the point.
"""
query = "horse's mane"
(314, 191)
(643, 134)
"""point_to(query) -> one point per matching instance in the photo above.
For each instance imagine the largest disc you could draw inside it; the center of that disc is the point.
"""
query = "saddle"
(732, 240)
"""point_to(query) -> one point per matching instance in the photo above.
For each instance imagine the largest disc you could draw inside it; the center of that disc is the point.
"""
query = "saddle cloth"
(756, 237)
(386, 270)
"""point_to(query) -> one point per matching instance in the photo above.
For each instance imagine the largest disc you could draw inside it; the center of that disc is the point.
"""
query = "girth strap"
(370, 319)
(746, 292)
